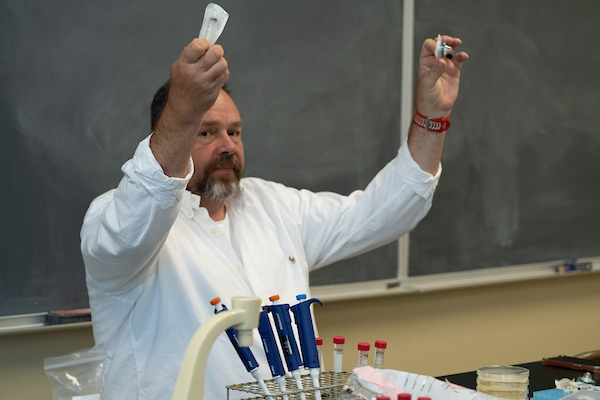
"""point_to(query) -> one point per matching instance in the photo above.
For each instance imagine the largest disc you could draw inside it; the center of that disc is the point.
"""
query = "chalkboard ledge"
(445, 281)
(30, 323)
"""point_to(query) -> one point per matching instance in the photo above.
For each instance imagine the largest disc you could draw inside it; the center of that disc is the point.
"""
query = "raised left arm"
(437, 89)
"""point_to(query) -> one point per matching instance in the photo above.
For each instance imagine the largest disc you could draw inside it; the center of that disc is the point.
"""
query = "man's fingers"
(429, 44)
(452, 42)
(212, 56)
(193, 51)
(200, 50)
(460, 58)
(219, 72)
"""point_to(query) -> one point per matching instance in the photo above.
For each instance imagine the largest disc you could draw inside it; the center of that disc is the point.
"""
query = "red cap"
(380, 344)
(383, 398)
(272, 298)
(424, 398)
(404, 396)
(215, 301)
(319, 341)
(339, 339)
(364, 346)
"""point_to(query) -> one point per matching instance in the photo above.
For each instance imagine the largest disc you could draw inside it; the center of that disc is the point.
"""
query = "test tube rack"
(331, 385)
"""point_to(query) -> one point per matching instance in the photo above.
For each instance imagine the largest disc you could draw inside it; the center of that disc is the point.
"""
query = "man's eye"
(203, 134)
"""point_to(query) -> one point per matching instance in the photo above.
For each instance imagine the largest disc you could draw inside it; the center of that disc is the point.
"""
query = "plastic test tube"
(363, 354)
(215, 18)
(320, 351)
(338, 353)
(380, 346)
(404, 396)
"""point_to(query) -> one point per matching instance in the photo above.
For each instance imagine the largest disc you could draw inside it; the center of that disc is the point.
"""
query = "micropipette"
(283, 323)
(271, 350)
(308, 344)
(215, 18)
(244, 352)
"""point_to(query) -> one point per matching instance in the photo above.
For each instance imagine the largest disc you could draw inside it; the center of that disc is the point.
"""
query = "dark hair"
(160, 101)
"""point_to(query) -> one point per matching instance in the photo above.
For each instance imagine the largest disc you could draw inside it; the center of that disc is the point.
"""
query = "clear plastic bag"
(354, 389)
(77, 376)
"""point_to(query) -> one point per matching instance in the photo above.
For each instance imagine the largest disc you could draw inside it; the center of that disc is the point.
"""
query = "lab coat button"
(213, 231)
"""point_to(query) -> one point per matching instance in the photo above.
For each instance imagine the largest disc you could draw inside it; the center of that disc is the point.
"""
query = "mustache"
(228, 161)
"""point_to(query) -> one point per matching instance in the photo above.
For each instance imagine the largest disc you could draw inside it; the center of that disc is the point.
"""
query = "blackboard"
(521, 166)
(317, 84)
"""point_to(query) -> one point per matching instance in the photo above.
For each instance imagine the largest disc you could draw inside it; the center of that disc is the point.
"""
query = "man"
(182, 228)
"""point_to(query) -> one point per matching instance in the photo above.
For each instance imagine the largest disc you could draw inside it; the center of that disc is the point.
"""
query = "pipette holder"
(331, 384)
(243, 316)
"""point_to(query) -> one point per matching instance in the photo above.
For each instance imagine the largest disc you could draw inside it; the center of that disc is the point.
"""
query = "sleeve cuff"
(144, 168)
(423, 183)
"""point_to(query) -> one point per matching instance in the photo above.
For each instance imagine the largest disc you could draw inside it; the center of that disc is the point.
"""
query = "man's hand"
(196, 79)
(437, 86)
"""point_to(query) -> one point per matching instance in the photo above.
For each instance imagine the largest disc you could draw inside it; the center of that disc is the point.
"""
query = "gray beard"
(223, 187)
(220, 190)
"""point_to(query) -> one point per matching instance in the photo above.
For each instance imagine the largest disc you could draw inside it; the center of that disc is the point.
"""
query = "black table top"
(541, 376)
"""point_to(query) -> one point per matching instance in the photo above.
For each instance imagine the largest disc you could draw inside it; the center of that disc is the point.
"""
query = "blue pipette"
(310, 355)
(283, 323)
(271, 350)
(244, 352)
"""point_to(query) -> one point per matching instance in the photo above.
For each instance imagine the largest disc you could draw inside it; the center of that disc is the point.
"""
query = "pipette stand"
(243, 316)
(331, 384)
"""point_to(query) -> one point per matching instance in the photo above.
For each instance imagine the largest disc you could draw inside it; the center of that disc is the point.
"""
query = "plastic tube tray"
(331, 386)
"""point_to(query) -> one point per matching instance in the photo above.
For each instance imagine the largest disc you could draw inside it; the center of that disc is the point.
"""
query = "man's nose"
(225, 144)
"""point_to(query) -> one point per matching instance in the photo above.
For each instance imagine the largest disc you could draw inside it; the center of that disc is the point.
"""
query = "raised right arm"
(124, 229)
(196, 79)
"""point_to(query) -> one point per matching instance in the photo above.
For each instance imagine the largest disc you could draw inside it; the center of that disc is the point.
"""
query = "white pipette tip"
(215, 18)
(281, 382)
(261, 383)
(298, 379)
(314, 374)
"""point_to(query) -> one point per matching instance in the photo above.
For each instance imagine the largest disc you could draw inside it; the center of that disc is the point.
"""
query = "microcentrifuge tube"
(363, 354)
(320, 352)
(380, 346)
(338, 353)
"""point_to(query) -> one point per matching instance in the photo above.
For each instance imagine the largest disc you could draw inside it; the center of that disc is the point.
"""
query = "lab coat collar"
(190, 203)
